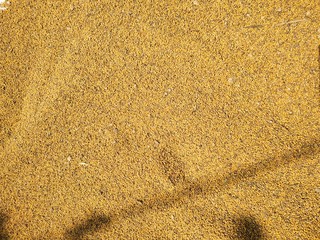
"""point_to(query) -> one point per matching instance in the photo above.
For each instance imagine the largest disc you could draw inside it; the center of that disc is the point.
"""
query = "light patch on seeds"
(4, 5)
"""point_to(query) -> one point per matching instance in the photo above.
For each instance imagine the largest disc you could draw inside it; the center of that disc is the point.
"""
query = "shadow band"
(189, 190)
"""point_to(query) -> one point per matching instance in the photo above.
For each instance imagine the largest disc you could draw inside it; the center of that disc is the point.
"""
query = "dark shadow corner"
(247, 228)
(3, 232)
(92, 224)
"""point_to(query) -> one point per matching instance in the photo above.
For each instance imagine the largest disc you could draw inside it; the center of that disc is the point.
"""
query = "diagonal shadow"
(91, 225)
(213, 186)
(189, 190)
